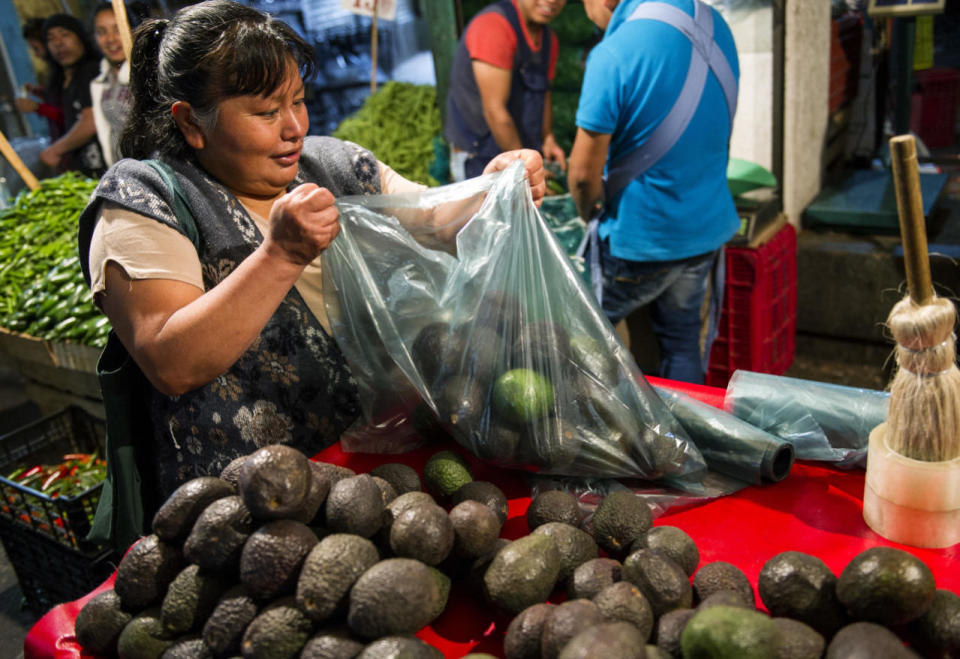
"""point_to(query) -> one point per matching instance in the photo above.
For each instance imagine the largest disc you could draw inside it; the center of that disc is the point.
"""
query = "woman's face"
(108, 37)
(65, 46)
(540, 11)
(254, 146)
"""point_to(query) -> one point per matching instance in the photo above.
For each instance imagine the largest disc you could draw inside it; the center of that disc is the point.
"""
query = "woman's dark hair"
(206, 53)
(33, 29)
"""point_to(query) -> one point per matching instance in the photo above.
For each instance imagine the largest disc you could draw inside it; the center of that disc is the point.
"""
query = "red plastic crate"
(933, 111)
(759, 315)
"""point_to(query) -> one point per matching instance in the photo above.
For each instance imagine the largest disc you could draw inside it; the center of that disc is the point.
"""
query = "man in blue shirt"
(652, 144)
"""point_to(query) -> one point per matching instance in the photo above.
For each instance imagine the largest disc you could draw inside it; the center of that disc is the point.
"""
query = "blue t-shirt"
(681, 206)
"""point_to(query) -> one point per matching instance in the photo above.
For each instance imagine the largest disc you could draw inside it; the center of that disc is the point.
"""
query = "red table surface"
(817, 509)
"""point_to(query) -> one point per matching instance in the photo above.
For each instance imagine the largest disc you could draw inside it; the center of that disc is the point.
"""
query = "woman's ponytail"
(143, 130)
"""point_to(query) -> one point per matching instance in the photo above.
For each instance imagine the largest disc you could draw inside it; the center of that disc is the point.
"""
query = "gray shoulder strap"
(706, 56)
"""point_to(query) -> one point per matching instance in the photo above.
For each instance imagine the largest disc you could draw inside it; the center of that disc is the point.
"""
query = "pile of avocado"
(284, 557)
(537, 393)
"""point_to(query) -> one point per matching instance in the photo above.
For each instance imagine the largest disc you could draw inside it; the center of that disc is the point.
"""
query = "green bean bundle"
(398, 123)
(43, 292)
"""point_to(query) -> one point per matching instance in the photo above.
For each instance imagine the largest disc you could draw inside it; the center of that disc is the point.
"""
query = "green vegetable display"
(42, 292)
(398, 123)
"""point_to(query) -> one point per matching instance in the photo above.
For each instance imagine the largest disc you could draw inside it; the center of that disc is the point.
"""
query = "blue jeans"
(675, 292)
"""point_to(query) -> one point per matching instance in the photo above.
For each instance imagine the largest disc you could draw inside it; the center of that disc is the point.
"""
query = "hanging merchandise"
(458, 307)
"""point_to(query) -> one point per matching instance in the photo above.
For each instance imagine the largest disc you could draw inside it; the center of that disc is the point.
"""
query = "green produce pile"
(398, 124)
(42, 292)
(74, 475)
(283, 558)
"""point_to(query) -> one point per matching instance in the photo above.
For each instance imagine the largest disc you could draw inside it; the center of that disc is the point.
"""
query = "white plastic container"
(910, 501)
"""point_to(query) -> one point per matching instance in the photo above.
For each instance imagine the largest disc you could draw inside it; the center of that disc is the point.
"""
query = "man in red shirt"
(499, 96)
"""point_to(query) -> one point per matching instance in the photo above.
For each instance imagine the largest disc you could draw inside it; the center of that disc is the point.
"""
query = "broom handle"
(14, 159)
(913, 233)
(123, 24)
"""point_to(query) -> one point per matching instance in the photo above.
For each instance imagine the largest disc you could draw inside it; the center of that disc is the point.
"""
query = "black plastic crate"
(49, 572)
(65, 520)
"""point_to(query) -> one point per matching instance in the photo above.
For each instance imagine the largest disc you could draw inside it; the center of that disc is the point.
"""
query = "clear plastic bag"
(458, 307)
(825, 422)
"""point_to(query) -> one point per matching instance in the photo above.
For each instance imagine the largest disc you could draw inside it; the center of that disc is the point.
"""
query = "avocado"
(475, 529)
(593, 357)
(566, 621)
(422, 532)
(330, 570)
(274, 481)
(272, 556)
(621, 518)
(400, 647)
(500, 311)
(191, 647)
(394, 508)
(602, 409)
(723, 632)
(664, 583)
(553, 506)
(387, 493)
(480, 358)
(445, 473)
(724, 598)
(332, 642)
(223, 630)
(396, 596)
(190, 599)
(522, 573)
(541, 346)
(592, 577)
(174, 519)
(278, 632)
(867, 640)
(334, 473)
(478, 655)
(443, 586)
(99, 623)
(623, 602)
(404, 478)
(576, 547)
(720, 575)
(312, 505)
(143, 637)
(937, 632)
(670, 628)
(499, 442)
(486, 493)
(612, 639)
(145, 572)
(673, 542)
(797, 585)
(218, 535)
(355, 505)
(476, 569)
(522, 397)
(522, 639)
(231, 473)
(886, 585)
(429, 349)
(461, 402)
(799, 641)
(653, 652)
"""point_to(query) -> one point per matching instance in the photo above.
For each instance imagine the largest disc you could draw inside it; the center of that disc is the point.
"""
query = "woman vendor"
(228, 324)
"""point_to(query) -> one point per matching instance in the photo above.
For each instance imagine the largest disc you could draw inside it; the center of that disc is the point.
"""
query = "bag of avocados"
(457, 309)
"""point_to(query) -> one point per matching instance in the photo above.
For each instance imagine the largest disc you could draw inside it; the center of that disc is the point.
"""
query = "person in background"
(499, 96)
(657, 160)
(109, 91)
(229, 327)
(40, 57)
(75, 63)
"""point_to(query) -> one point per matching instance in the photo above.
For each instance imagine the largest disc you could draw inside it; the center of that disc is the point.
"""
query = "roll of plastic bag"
(728, 444)
(457, 306)
(825, 422)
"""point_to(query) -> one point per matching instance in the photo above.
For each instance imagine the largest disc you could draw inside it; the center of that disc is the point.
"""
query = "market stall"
(817, 509)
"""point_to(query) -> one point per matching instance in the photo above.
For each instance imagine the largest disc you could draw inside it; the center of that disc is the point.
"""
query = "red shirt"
(490, 39)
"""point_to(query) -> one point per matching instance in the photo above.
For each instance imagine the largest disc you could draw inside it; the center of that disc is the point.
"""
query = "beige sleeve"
(393, 183)
(143, 247)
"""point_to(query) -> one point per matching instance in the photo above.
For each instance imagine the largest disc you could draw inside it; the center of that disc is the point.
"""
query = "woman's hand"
(533, 163)
(303, 223)
(553, 153)
(27, 105)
